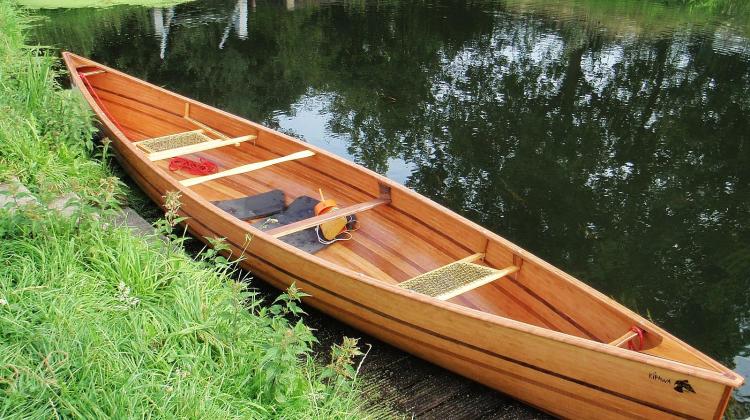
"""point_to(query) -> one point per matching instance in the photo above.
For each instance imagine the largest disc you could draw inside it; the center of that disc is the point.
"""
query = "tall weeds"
(98, 323)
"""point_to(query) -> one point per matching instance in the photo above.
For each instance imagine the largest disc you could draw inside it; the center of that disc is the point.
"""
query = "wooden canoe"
(527, 329)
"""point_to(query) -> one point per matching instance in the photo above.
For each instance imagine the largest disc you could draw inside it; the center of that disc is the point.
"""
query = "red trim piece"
(97, 99)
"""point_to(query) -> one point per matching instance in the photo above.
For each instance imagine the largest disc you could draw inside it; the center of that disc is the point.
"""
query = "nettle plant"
(285, 368)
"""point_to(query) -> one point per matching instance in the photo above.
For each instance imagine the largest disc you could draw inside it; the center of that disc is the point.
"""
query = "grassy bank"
(645, 18)
(69, 4)
(96, 322)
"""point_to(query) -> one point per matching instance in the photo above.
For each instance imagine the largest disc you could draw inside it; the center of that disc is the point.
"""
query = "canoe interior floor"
(381, 248)
(389, 245)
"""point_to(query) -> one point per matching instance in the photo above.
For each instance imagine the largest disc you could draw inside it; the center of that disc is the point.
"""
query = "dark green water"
(611, 138)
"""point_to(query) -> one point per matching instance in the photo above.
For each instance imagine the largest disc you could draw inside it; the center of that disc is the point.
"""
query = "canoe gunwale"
(722, 375)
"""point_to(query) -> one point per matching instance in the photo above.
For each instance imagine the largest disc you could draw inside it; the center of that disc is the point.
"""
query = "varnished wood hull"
(570, 375)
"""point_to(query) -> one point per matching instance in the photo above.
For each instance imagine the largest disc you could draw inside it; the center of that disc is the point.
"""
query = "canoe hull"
(558, 373)
(530, 376)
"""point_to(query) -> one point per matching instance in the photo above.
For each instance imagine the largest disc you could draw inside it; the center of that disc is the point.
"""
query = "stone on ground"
(14, 196)
(67, 204)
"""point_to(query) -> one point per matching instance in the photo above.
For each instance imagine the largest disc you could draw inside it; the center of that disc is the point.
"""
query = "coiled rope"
(201, 167)
(633, 346)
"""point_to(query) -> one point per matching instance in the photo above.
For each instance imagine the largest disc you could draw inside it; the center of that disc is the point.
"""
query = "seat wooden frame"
(496, 275)
(198, 147)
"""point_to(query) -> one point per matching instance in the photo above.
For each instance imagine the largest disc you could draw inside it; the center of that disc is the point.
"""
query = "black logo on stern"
(683, 386)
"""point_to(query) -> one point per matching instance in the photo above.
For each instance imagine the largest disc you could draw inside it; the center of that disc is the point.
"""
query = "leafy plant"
(96, 322)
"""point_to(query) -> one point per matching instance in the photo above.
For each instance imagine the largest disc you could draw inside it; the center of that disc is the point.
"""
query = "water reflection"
(162, 22)
(238, 20)
(609, 139)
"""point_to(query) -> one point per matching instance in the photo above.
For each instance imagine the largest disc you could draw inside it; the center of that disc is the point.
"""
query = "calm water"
(611, 138)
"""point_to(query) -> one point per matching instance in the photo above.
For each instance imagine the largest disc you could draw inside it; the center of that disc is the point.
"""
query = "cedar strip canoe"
(520, 326)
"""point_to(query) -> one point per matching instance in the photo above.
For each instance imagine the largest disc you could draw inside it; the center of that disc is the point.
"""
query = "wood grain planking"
(119, 85)
(333, 188)
(455, 231)
(572, 301)
(287, 179)
(359, 263)
(148, 109)
(669, 349)
(558, 322)
(400, 228)
(133, 134)
(368, 223)
(394, 268)
(143, 122)
(414, 262)
(492, 300)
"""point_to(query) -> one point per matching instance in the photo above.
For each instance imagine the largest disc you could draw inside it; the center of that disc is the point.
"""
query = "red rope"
(202, 167)
(97, 99)
(640, 333)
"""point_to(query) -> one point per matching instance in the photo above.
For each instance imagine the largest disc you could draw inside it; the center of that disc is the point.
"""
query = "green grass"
(98, 323)
(647, 18)
(95, 322)
(74, 4)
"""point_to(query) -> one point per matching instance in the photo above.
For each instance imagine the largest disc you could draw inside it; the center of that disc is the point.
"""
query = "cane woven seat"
(445, 279)
(172, 141)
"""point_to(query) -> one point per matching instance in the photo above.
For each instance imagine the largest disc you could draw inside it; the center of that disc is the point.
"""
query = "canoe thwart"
(246, 168)
(302, 208)
(91, 73)
(624, 339)
(456, 278)
(317, 220)
(198, 147)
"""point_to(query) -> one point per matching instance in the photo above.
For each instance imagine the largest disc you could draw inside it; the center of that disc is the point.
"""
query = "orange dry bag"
(331, 229)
